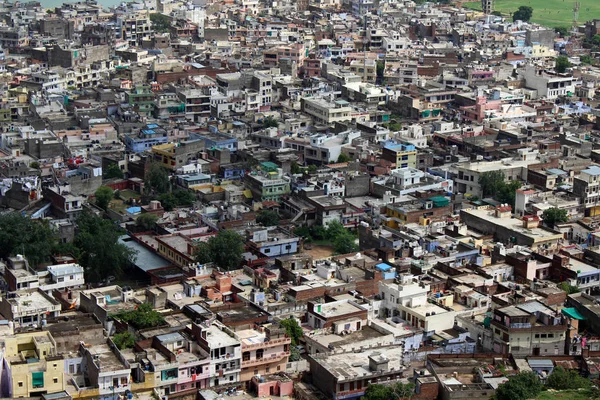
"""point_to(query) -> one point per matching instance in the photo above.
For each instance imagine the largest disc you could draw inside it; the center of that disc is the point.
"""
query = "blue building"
(191, 180)
(148, 136)
(232, 171)
(216, 139)
(387, 270)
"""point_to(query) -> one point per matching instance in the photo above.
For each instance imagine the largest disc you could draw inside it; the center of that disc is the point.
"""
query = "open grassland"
(552, 13)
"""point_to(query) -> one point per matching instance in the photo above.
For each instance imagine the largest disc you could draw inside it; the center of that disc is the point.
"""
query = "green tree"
(561, 379)
(312, 169)
(562, 30)
(553, 216)
(318, 232)
(508, 192)
(160, 22)
(167, 201)
(561, 64)
(292, 329)
(524, 385)
(225, 250)
(596, 40)
(491, 182)
(586, 59)
(302, 231)
(156, 179)
(124, 340)
(270, 122)
(104, 195)
(343, 158)
(335, 229)
(295, 168)
(397, 391)
(524, 13)
(345, 243)
(565, 286)
(113, 171)
(33, 239)
(184, 197)
(267, 218)
(142, 317)
(146, 221)
(101, 253)
(34, 165)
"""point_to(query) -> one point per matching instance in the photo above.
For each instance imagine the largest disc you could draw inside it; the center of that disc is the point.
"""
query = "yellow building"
(175, 155)
(403, 155)
(35, 367)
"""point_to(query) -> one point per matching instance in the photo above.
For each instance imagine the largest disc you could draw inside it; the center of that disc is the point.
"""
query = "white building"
(224, 351)
(408, 300)
(548, 85)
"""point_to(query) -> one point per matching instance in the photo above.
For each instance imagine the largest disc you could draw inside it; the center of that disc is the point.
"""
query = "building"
(272, 242)
(29, 307)
(346, 375)
(339, 316)
(325, 112)
(586, 187)
(270, 186)
(403, 155)
(408, 300)
(224, 350)
(33, 364)
(548, 85)
(528, 329)
(147, 137)
(263, 352)
(177, 155)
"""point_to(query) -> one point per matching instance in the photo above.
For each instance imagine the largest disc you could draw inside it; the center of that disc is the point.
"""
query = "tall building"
(487, 6)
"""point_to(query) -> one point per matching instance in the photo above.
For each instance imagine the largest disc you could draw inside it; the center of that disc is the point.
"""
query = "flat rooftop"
(349, 365)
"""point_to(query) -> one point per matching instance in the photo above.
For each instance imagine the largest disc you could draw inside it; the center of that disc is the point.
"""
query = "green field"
(565, 395)
(552, 13)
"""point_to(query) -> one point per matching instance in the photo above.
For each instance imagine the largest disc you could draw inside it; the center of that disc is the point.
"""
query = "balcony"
(270, 343)
(265, 360)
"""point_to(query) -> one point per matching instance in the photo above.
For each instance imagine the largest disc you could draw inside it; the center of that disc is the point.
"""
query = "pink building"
(272, 385)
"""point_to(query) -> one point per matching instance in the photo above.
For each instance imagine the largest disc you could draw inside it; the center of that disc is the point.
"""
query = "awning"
(247, 193)
(37, 379)
(573, 313)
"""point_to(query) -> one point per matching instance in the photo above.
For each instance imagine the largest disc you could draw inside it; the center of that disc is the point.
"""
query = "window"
(55, 380)
(20, 384)
(231, 378)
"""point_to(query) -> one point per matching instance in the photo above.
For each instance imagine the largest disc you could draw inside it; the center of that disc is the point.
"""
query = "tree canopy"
(561, 64)
(553, 216)
(561, 379)
(142, 317)
(524, 13)
(34, 239)
(268, 218)
(292, 329)
(596, 40)
(101, 253)
(565, 286)
(270, 122)
(524, 385)
(160, 22)
(345, 243)
(395, 391)
(156, 180)
(104, 195)
(124, 340)
(343, 157)
(225, 250)
(493, 184)
(146, 221)
(113, 171)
